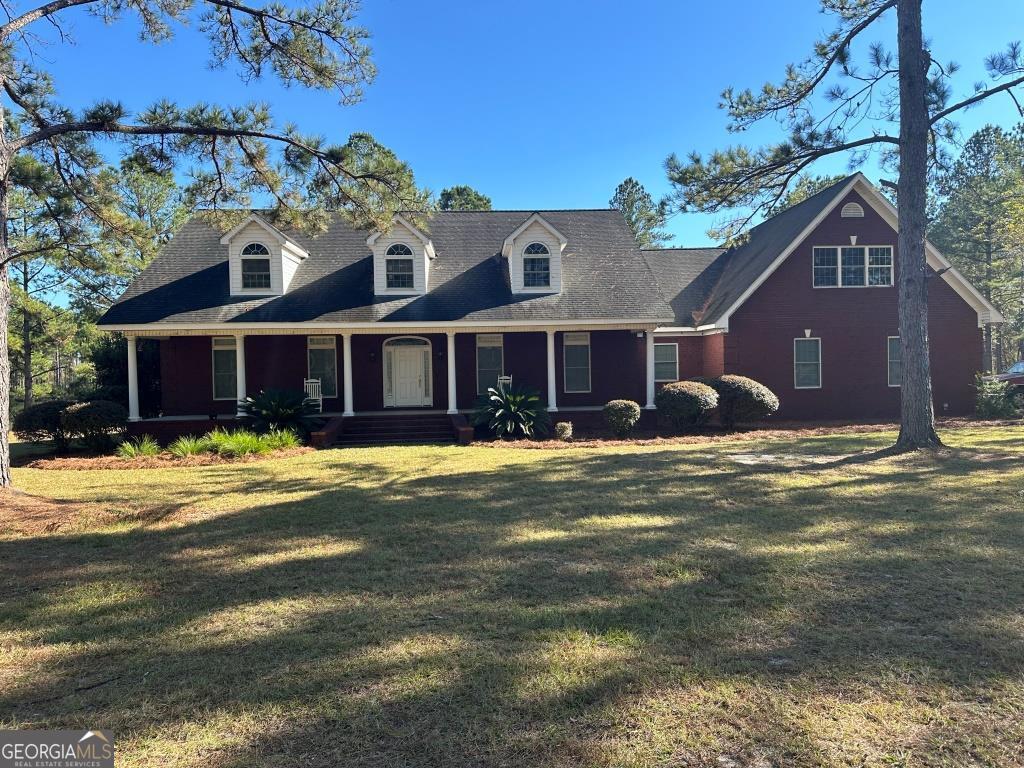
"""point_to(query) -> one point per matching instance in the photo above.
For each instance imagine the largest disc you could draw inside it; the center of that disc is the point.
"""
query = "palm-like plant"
(280, 409)
(512, 412)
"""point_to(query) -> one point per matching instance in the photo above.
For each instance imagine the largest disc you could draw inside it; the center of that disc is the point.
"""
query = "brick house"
(423, 318)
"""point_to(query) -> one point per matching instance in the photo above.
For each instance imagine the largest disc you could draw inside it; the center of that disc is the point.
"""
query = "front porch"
(204, 374)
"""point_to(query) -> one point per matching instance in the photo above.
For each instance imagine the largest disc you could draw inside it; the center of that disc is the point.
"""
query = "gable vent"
(852, 211)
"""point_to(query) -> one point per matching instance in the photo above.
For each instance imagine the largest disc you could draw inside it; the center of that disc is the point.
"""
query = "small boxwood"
(95, 422)
(741, 399)
(563, 431)
(42, 422)
(685, 404)
(621, 416)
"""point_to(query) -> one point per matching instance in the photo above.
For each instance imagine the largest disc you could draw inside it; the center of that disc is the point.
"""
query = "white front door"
(408, 366)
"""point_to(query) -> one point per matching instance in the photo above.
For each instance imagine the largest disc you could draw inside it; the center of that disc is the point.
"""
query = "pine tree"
(463, 198)
(645, 218)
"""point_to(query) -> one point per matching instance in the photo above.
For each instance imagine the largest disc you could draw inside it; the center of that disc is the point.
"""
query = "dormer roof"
(535, 218)
(416, 232)
(276, 234)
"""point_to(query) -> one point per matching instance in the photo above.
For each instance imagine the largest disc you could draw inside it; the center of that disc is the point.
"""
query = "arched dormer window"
(536, 266)
(398, 266)
(255, 267)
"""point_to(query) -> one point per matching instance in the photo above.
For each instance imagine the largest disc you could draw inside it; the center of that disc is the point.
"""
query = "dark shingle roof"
(604, 273)
(685, 277)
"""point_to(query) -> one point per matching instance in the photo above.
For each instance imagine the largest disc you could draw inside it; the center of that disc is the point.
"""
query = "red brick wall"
(853, 324)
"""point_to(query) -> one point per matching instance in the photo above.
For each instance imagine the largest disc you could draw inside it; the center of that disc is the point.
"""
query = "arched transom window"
(398, 266)
(255, 266)
(536, 266)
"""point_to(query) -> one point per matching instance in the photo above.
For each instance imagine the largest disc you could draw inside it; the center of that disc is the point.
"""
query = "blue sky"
(537, 104)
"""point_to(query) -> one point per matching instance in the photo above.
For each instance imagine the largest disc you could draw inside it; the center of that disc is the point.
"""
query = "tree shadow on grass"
(521, 614)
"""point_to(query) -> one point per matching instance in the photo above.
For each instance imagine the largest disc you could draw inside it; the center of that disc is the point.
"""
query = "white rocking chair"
(314, 393)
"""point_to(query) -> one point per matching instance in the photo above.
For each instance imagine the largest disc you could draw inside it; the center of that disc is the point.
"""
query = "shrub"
(94, 422)
(741, 399)
(240, 442)
(621, 416)
(42, 422)
(563, 431)
(686, 404)
(278, 439)
(512, 413)
(994, 399)
(144, 446)
(188, 445)
(280, 409)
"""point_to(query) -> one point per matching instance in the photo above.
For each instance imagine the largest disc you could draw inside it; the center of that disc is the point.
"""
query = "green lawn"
(662, 605)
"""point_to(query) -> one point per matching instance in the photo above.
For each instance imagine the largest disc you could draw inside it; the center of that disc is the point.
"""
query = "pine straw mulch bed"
(158, 462)
(29, 515)
(780, 431)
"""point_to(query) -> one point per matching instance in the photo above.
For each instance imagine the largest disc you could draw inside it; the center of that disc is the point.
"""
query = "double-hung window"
(490, 361)
(807, 363)
(322, 363)
(536, 266)
(576, 362)
(894, 361)
(853, 266)
(398, 267)
(666, 362)
(224, 371)
(255, 267)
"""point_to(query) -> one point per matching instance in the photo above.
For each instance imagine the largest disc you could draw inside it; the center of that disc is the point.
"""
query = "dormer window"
(255, 267)
(399, 267)
(536, 266)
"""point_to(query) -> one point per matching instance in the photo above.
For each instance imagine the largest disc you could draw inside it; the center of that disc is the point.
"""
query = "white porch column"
(650, 370)
(452, 403)
(133, 380)
(346, 352)
(552, 388)
(240, 391)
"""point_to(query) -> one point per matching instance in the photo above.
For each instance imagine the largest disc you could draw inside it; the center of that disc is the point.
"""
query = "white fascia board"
(417, 233)
(255, 218)
(701, 330)
(606, 323)
(535, 218)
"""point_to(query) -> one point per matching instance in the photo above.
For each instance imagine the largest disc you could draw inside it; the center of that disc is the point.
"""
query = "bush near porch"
(759, 602)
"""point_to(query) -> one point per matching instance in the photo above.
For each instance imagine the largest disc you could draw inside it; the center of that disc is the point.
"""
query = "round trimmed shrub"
(741, 399)
(686, 404)
(563, 431)
(94, 422)
(621, 416)
(42, 422)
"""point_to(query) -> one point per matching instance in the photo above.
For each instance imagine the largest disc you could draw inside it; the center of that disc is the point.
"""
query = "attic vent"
(852, 211)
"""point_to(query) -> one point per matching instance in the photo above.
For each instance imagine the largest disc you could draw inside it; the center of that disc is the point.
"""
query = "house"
(427, 315)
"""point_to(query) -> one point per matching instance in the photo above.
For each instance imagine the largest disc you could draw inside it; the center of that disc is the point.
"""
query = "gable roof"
(270, 229)
(605, 277)
(685, 277)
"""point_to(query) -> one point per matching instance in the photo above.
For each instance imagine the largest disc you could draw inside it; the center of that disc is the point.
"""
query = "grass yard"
(670, 605)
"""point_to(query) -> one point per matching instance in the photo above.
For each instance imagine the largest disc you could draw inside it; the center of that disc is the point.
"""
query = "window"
(399, 273)
(880, 266)
(399, 249)
(895, 361)
(224, 371)
(666, 362)
(576, 362)
(826, 267)
(852, 211)
(852, 266)
(807, 363)
(255, 271)
(322, 363)
(490, 361)
(536, 266)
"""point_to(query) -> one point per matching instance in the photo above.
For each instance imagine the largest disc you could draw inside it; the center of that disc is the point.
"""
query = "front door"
(407, 373)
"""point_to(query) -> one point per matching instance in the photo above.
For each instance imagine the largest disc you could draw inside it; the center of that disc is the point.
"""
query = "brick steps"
(396, 430)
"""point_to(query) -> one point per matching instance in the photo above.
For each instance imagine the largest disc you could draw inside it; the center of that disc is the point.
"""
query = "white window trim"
(500, 345)
(666, 344)
(213, 364)
(867, 266)
(409, 255)
(545, 255)
(333, 346)
(402, 289)
(590, 364)
(888, 364)
(270, 272)
(821, 366)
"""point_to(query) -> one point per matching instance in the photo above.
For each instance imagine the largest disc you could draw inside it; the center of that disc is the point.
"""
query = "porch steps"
(396, 429)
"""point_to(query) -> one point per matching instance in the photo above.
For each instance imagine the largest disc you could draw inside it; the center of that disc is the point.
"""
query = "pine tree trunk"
(5, 359)
(26, 338)
(986, 359)
(917, 415)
